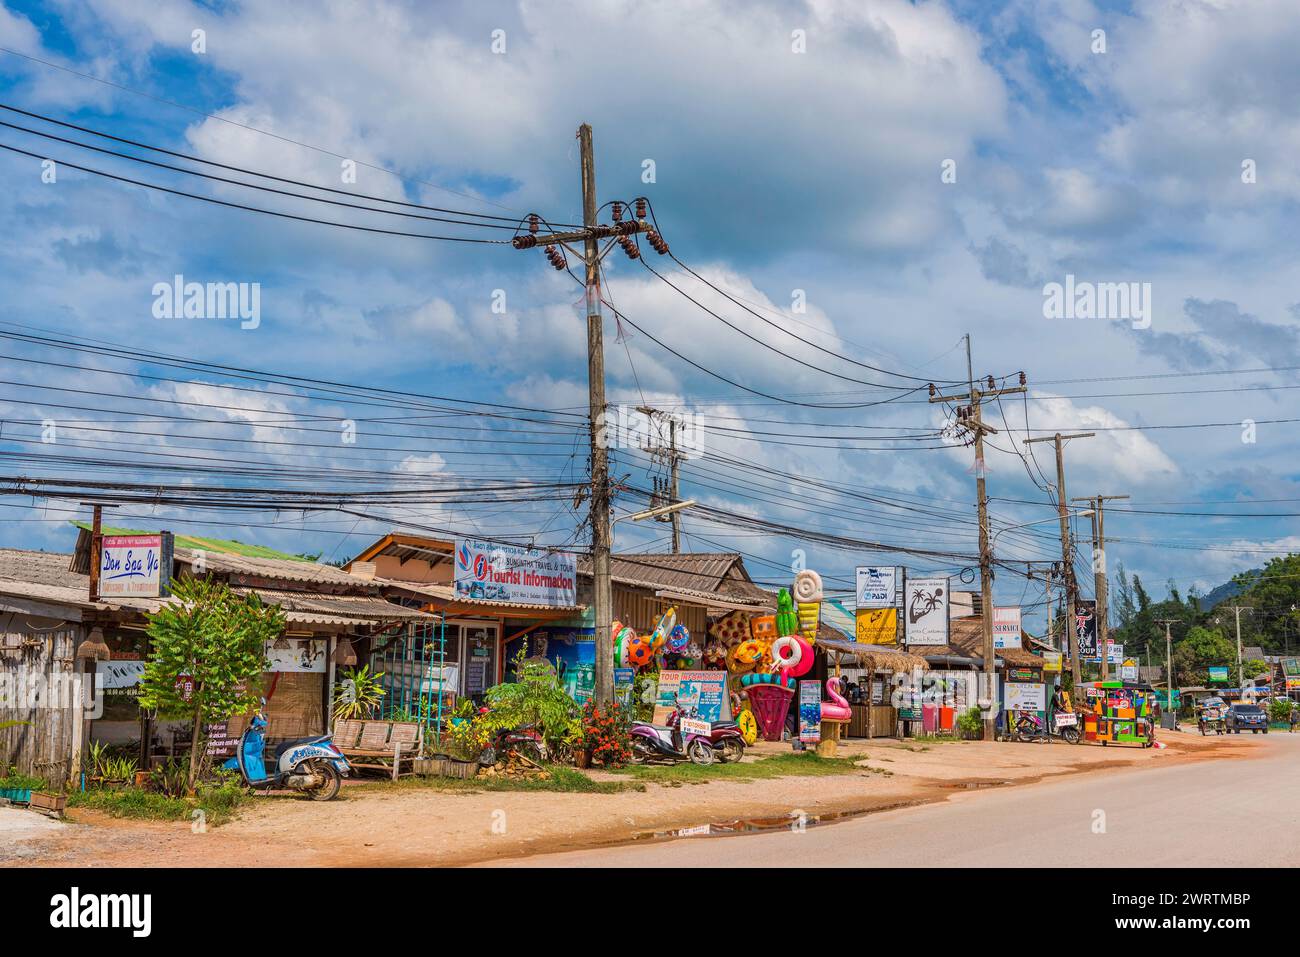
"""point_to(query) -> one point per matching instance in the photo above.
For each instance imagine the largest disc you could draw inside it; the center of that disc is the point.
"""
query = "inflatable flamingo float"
(837, 709)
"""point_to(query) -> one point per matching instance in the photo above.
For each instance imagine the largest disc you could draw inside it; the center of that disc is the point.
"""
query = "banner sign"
(700, 695)
(877, 585)
(1006, 627)
(1085, 628)
(810, 712)
(1019, 696)
(135, 566)
(877, 626)
(926, 604)
(1218, 673)
(1291, 667)
(495, 572)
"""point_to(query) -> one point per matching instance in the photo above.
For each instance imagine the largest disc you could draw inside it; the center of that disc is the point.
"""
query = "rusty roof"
(721, 574)
(278, 569)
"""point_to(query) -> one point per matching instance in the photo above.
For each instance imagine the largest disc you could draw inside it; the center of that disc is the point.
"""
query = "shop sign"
(300, 655)
(810, 712)
(1024, 696)
(877, 586)
(1218, 673)
(220, 742)
(925, 603)
(490, 571)
(876, 626)
(1052, 660)
(1291, 667)
(1128, 671)
(1085, 629)
(1292, 684)
(1066, 719)
(624, 681)
(695, 726)
(185, 686)
(1022, 674)
(135, 566)
(1006, 627)
(700, 694)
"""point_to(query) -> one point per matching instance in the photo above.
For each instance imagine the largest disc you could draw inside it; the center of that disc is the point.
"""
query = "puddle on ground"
(976, 785)
(759, 825)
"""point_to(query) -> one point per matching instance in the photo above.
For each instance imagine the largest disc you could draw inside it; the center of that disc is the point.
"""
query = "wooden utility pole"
(619, 232)
(969, 417)
(1067, 560)
(1101, 584)
(1237, 610)
(674, 459)
(96, 547)
(603, 597)
(1169, 663)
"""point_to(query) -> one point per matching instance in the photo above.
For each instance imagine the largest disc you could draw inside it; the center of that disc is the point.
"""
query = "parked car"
(1249, 717)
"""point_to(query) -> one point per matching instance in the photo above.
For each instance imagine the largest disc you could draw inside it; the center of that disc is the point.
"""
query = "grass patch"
(219, 804)
(562, 779)
(808, 764)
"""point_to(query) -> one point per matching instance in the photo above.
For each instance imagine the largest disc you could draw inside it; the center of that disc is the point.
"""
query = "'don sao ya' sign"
(135, 566)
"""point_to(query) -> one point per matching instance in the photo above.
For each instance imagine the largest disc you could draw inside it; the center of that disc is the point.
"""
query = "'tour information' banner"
(494, 572)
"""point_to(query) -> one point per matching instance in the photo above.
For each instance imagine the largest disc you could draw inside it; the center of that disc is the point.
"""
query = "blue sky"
(775, 171)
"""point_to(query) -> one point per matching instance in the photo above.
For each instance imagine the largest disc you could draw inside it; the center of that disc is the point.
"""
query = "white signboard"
(925, 602)
(1024, 696)
(1006, 627)
(1066, 719)
(494, 572)
(877, 585)
(693, 726)
(135, 566)
(301, 655)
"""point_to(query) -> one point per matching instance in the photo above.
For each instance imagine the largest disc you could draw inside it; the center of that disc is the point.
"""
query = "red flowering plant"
(605, 733)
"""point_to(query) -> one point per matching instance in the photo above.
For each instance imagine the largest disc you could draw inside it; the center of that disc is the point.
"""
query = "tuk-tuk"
(1211, 715)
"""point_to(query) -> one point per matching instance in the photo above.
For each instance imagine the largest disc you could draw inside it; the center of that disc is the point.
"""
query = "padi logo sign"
(76, 910)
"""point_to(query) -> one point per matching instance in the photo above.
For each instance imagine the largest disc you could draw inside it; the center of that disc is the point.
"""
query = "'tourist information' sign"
(494, 572)
(135, 566)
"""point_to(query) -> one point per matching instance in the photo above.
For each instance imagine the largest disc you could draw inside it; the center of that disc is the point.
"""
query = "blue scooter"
(311, 765)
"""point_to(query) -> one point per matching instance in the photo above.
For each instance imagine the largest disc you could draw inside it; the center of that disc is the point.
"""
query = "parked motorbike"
(653, 742)
(524, 741)
(311, 765)
(1029, 727)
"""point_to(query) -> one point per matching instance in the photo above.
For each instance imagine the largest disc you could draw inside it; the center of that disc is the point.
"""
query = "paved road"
(1203, 813)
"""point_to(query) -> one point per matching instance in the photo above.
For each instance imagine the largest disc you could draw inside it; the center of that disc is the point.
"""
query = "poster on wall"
(491, 571)
(700, 695)
(1006, 627)
(135, 566)
(876, 626)
(119, 689)
(1021, 696)
(1085, 629)
(296, 655)
(810, 712)
(926, 604)
(570, 651)
(877, 586)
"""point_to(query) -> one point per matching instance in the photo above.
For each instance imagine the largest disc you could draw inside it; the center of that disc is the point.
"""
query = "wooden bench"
(371, 744)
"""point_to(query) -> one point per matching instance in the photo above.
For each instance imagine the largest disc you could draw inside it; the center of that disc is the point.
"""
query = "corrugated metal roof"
(447, 593)
(708, 573)
(337, 606)
(966, 640)
(281, 569)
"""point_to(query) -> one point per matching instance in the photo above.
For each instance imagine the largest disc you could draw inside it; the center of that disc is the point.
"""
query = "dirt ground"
(428, 827)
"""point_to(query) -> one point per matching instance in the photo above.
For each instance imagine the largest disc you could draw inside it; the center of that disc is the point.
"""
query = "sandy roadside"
(427, 827)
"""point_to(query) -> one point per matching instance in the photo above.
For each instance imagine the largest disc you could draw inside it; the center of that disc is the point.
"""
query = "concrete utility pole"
(589, 237)
(674, 460)
(969, 417)
(1169, 663)
(1237, 610)
(1067, 560)
(1100, 582)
